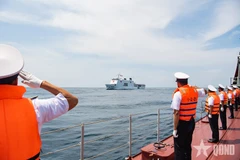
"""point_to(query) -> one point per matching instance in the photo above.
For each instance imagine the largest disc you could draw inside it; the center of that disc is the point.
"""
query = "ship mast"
(238, 76)
(236, 79)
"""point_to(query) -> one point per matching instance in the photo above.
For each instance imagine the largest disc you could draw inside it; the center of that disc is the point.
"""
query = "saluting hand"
(30, 80)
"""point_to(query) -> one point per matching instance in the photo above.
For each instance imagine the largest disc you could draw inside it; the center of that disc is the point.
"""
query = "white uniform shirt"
(234, 92)
(177, 97)
(229, 96)
(48, 109)
(210, 101)
(221, 96)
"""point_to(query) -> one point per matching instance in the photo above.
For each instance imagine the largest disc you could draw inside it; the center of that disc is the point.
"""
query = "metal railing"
(82, 143)
(130, 142)
(202, 108)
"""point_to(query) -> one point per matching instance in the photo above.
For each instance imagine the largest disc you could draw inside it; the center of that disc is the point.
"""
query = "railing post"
(82, 142)
(158, 126)
(130, 135)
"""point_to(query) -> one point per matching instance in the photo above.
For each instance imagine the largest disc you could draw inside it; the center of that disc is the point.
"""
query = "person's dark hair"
(221, 89)
(211, 91)
(183, 81)
(8, 80)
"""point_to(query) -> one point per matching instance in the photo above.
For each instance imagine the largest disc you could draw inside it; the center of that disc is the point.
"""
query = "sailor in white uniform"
(235, 92)
(212, 107)
(230, 101)
(223, 103)
(184, 105)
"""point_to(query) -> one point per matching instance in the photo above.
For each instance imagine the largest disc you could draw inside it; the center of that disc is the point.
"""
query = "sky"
(86, 43)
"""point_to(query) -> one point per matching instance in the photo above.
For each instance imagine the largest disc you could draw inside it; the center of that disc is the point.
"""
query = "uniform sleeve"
(221, 97)
(48, 109)
(229, 96)
(176, 101)
(234, 92)
(211, 101)
(201, 92)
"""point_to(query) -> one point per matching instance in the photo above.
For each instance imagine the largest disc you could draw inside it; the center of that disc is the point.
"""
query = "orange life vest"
(225, 97)
(238, 92)
(19, 136)
(188, 103)
(233, 97)
(215, 109)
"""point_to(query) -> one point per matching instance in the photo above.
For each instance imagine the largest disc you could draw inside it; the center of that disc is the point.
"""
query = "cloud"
(235, 33)
(107, 37)
(106, 16)
(16, 17)
(63, 70)
(226, 17)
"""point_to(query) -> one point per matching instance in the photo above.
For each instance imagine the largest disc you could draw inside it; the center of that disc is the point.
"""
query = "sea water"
(104, 140)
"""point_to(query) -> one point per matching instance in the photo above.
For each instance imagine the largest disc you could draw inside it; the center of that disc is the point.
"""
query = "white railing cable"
(139, 138)
(90, 123)
(60, 129)
(91, 141)
(108, 136)
(110, 150)
(144, 124)
(114, 118)
(59, 150)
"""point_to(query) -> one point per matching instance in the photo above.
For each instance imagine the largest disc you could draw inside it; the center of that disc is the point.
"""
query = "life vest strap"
(35, 157)
(190, 109)
(186, 115)
(189, 103)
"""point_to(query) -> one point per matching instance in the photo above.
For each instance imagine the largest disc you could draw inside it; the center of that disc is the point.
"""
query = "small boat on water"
(121, 83)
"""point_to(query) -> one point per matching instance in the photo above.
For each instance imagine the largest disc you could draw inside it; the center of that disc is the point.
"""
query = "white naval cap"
(212, 88)
(230, 88)
(234, 86)
(181, 75)
(221, 86)
(11, 61)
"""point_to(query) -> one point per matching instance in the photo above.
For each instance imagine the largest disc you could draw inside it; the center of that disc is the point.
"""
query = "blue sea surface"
(104, 136)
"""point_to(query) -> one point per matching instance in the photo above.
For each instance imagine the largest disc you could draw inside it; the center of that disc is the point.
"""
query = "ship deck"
(227, 148)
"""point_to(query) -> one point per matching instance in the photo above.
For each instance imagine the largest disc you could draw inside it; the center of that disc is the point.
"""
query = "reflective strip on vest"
(188, 103)
(19, 136)
(215, 109)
